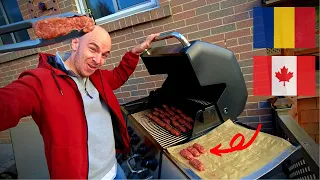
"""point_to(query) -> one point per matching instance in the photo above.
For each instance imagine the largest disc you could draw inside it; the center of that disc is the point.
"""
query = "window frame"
(7, 21)
(153, 4)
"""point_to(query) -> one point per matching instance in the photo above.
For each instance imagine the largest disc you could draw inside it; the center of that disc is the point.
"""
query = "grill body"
(204, 81)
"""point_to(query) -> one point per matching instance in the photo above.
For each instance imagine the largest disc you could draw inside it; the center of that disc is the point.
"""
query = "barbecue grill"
(204, 81)
(192, 86)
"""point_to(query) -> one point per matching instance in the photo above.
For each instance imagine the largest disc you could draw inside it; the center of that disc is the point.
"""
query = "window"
(10, 13)
(105, 11)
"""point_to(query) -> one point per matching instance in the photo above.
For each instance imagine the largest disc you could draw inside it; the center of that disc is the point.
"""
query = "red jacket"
(52, 98)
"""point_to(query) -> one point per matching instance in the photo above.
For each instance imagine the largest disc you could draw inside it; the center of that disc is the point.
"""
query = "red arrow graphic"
(217, 151)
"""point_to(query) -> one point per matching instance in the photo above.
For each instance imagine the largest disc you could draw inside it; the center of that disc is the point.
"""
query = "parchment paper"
(235, 165)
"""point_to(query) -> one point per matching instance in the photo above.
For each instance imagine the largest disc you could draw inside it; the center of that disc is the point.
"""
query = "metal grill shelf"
(162, 136)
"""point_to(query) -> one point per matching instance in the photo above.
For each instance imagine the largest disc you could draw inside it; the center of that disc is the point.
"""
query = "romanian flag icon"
(284, 27)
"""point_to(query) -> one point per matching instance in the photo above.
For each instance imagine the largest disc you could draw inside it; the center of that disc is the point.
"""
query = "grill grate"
(205, 103)
(162, 136)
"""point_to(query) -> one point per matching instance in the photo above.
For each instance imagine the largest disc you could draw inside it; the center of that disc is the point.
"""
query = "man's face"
(91, 52)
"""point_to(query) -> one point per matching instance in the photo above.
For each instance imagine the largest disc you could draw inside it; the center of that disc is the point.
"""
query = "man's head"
(89, 52)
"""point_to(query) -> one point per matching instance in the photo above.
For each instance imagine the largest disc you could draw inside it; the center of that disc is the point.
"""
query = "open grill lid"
(199, 70)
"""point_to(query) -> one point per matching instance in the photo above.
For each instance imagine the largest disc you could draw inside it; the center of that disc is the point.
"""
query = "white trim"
(81, 6)
(115, 5)
(153, 4)
(78, 7)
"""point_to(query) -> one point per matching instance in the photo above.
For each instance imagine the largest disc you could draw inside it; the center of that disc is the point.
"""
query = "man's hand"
(145, 45)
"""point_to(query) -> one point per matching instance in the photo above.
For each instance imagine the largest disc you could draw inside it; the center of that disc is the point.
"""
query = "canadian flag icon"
(284, 75)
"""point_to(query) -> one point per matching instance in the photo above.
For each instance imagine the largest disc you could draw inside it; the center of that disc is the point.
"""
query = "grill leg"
(160, 164)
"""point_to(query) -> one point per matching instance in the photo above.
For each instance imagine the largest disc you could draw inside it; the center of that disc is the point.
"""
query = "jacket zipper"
(83, 110)
(105, 96)
(85, 89)
(87, 134)
(87, 131)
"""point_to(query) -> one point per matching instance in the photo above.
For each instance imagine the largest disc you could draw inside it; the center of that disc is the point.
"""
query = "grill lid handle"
(168, 35)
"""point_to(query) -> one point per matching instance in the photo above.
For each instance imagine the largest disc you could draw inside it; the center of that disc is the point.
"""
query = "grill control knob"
(150, 162)
(142, 149)
(135, 139)
(130, 131)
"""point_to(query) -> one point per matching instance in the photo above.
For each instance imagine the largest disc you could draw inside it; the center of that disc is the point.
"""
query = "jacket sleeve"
(17, 100)
(120, 74)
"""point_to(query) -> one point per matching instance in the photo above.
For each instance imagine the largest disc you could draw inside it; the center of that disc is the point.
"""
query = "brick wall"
(227, 23)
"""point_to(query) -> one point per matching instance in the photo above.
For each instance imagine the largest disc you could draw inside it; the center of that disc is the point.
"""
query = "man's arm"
(120, 74)
(17, 100)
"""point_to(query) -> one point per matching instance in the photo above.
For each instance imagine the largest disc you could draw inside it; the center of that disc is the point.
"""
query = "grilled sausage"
(175, 132)
(156, 118)
(185, 119)
(162, 116)
(189, 119)
(167, 114)
(197, 164)
(50, 28)
(200, 148)
(149, 115)
(179, 119)
(157, 109)
(182, 121)
(186, 154)
(172, 130)
(185, 123)
(173, 118)
(155, 113)
(173, 108)
(166, 120)
(168, 127)
(179, 111)
(175, 123)
(158, 121)
(171, 112)
(178, 126)
(183, 116)
(177, 116)
(181, 128)
(165, 106)
(188, 126)
(193, 151)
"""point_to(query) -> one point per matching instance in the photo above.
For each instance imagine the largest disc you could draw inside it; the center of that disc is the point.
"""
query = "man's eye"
(105, 55)
(92, 49)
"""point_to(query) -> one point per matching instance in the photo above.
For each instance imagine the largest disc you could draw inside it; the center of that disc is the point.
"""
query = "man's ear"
(75, 44)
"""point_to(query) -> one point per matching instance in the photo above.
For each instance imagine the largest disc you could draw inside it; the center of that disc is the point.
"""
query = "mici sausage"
(197, 164)
(178, 126)
(172, 130)
(186, 154)
(193, 151)
(200, 148)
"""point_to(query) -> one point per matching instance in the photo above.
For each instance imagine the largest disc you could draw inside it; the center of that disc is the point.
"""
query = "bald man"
(72, 102)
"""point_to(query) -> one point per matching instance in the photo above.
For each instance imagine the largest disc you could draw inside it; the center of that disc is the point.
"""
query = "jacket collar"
(48, 61)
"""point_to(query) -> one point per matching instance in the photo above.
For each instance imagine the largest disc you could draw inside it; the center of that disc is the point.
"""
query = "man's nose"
(97, 58)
